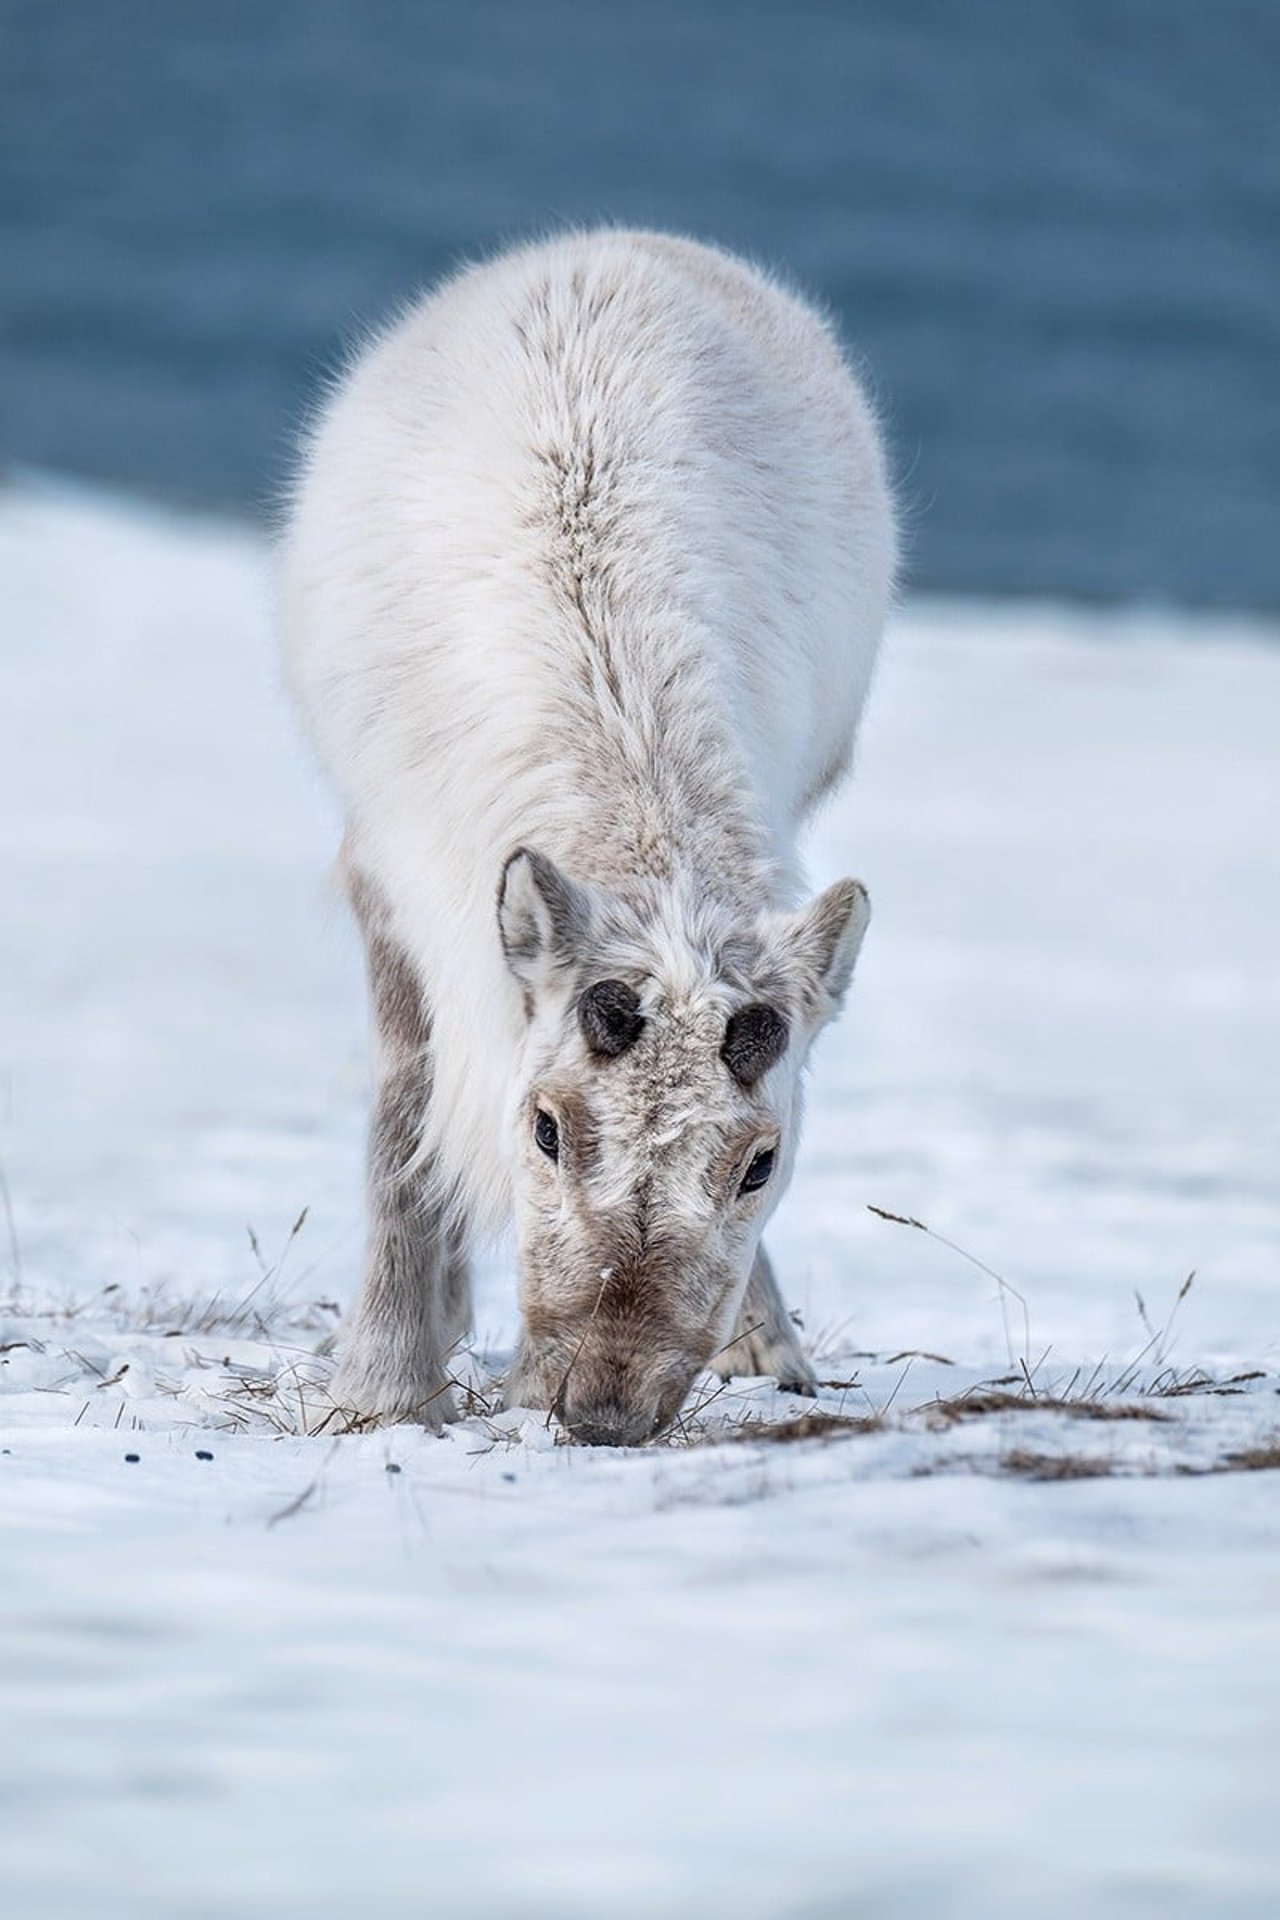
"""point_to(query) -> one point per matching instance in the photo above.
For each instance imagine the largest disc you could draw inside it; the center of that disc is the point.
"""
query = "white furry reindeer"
(584, 579)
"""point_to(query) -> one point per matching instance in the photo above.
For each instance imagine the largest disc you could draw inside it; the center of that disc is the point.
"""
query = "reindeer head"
(656, 1113)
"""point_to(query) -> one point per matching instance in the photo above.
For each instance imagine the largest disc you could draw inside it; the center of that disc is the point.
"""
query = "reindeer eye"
(757, 1174)
(547, 1135)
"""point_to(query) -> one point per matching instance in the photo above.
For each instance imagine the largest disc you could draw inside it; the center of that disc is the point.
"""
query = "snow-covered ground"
(958, 1650)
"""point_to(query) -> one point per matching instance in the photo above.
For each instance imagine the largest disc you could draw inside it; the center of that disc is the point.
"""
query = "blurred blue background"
(1051, 231)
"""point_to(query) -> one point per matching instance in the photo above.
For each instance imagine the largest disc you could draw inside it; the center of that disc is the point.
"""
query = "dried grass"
(1027, 1465)
(1262, 1459)
(815, 1425)
(979, 1402)
(285, 1385)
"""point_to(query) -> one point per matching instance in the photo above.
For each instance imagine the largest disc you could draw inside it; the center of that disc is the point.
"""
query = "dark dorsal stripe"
(610, 1018)
(754, 1040)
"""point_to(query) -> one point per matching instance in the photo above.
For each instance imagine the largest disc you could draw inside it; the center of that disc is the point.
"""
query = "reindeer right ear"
(543, 917)
(823, 941)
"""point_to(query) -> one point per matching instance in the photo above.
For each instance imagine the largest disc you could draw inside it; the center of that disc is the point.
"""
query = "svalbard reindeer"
(584, 580)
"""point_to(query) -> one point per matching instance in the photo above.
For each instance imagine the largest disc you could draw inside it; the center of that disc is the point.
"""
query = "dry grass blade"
(300, 1500)
(744, 1335)
(1156, 1343)
(556, 1410)
(898, 1219)
(687, 1426)
(294, 1506)
(1006, 1292)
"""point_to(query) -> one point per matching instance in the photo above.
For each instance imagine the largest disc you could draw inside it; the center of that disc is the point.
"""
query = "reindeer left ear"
(823, 940)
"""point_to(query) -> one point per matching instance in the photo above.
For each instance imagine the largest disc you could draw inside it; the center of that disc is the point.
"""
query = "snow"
(902, 1666)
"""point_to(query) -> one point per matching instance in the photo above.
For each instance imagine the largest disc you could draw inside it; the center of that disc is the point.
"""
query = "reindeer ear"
(823, 940)
(543, 917)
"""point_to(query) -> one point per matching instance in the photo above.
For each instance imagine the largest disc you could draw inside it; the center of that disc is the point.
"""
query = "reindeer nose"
(610, 1425)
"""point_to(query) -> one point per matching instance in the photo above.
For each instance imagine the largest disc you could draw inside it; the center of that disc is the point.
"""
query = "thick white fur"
(735, 527)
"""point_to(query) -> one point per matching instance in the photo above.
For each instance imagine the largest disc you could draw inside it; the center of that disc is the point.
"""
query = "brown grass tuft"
(986, 1400)
(1261, 1459)
(804, 1426)
(1055, 1466)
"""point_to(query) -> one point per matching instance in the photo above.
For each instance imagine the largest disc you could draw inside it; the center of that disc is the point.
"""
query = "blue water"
(1051, 228)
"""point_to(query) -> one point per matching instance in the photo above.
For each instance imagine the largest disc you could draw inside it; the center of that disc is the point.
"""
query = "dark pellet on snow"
(203, 1453)
(392, 1467)
(133, 1458)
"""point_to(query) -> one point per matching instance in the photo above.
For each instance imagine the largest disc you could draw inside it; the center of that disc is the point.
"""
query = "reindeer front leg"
(415, 1300)
(764, 1340)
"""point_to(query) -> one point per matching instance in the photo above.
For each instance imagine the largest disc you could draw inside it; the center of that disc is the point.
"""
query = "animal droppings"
(132, 1459)
(203, 1453)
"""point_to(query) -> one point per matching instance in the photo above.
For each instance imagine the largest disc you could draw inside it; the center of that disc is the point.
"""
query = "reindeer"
(584, 578)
